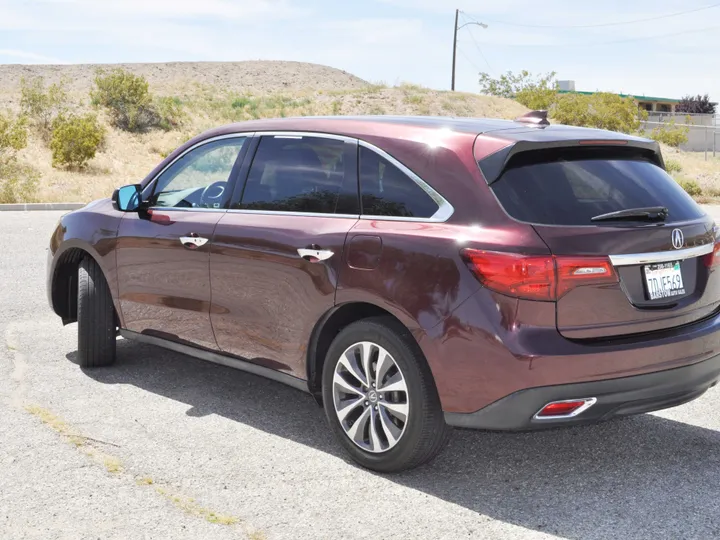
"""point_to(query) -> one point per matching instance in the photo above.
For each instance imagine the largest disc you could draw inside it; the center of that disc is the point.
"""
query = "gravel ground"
(165, 446)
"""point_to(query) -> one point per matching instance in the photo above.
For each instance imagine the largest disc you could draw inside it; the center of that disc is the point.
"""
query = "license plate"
(664, 280)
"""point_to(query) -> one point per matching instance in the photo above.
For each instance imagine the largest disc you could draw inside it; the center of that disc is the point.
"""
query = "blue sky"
(387, 40)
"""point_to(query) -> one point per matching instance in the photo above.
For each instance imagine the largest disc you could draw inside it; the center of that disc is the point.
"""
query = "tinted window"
(571, 192)
(387, 191)
(199, 179)
(302, 174)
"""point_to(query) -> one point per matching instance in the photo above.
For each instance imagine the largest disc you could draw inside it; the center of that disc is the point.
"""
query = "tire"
(95, 317)
(397, 444)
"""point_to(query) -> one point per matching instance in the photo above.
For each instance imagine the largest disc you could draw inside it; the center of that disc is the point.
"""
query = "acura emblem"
(677, 238)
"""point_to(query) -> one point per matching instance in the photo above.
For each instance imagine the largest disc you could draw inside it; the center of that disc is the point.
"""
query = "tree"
(696, 104)
(533, 91)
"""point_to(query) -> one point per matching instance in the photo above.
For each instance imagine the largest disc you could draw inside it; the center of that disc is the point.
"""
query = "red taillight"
(515, 275)
(537, 278)
(567, 408)
(577, 271)
(713, 259)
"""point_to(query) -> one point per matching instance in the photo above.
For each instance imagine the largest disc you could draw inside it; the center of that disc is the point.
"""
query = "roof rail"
(539, 118)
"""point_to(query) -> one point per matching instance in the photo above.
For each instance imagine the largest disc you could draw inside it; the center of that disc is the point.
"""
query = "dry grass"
(694, 167)
(214, 94)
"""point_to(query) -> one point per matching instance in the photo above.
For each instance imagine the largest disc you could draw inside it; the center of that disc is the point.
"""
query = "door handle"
(193, 241)
(315, 255)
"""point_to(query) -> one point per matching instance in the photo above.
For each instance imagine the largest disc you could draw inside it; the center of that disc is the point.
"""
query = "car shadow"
(641, 477)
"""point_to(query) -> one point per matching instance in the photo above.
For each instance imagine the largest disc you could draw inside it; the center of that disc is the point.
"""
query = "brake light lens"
(713, 259)
(545, 278)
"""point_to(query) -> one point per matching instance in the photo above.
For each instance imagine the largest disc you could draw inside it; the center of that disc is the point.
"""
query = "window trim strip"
(444, 212)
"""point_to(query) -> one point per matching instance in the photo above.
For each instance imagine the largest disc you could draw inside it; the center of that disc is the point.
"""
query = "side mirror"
(128, 198)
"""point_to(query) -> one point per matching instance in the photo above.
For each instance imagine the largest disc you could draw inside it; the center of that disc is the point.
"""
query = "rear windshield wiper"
(650, 213)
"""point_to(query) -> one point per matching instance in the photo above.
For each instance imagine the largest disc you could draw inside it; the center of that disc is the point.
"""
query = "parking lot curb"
(20, 207)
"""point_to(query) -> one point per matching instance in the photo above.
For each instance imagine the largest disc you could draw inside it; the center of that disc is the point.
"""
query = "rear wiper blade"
(650, 213)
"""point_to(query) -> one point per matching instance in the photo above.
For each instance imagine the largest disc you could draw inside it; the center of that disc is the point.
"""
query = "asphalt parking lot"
(166, 446)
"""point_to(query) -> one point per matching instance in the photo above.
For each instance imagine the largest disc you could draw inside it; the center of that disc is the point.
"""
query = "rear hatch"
(609, 212)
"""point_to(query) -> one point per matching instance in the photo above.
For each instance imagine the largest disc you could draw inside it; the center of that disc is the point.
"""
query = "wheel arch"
(329, 326)
(64, 286)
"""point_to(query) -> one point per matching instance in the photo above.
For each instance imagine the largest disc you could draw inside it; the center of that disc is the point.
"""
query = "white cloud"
(30, 56)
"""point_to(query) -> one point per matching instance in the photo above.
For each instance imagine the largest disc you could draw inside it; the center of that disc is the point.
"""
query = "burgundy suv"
(410, 273)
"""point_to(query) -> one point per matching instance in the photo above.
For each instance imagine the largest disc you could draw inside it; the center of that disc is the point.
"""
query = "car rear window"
(572, 191)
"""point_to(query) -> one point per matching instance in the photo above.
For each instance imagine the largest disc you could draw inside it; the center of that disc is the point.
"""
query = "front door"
(163, 253)
(277, 253)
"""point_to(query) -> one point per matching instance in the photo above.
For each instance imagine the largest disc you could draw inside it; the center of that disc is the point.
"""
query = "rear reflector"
(537, 278)
(565, 409)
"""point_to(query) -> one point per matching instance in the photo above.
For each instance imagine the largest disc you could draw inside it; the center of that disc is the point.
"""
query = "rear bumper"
(615, 397)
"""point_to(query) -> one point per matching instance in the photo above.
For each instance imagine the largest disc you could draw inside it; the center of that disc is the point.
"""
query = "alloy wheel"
(370, 397)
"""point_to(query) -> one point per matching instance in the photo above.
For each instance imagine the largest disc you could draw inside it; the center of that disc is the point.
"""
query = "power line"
(469, 60)
(477, 45)
(601, 44)
(619, 23)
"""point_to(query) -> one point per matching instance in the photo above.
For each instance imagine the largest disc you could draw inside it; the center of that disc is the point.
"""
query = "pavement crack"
(116, 467)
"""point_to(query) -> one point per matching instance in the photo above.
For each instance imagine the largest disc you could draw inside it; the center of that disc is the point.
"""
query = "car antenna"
(538, 118)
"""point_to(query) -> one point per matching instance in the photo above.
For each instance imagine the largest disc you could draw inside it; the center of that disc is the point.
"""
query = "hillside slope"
(217, 93)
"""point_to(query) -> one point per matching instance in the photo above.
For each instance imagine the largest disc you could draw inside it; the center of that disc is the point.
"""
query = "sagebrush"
(75, 140)
(18, 183)
(131, 106)
(42, 104)
(671, 134)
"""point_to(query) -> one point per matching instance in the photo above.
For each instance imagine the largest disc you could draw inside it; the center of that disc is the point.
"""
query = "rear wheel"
(380, 398)
(95, 317)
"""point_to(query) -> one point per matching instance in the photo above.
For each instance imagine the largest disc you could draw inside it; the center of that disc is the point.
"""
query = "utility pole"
(452, 84)
(481, 25)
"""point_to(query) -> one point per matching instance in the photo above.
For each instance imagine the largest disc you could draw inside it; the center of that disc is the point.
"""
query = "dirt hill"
(180, 77)
(216, 93)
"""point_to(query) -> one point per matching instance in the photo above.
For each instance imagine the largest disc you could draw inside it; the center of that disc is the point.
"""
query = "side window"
(387, 191)
(302, 174)
(200, 178)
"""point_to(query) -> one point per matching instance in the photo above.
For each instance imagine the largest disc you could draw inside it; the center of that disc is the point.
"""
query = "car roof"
(404, 126)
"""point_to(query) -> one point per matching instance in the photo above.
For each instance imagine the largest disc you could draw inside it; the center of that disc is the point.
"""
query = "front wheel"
(95, 317)
(380, 397)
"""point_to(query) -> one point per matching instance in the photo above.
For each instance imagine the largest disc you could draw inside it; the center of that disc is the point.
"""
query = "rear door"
(663, 273)
(276, 254)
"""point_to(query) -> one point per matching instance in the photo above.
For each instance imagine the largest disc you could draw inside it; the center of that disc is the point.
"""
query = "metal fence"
(703, 130)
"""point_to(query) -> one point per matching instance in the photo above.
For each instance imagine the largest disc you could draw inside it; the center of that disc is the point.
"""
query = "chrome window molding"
(186, 209)
(443, 213)
(286, 213)
(661, 256)
(445, 209)
(301, 134)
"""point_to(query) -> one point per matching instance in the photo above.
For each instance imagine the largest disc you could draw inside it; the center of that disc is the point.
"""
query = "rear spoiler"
(495, 164)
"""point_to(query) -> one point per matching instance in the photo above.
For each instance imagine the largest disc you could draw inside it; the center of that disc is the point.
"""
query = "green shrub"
(42, 105)
(170, 113)
(672, 165)
(75, 140)
(18, 183)
(13, 135)
(670, 134)
(510, 85)
(690, 186)
(601, 110)
(127, 98)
